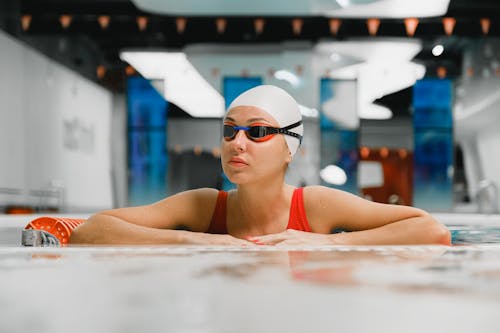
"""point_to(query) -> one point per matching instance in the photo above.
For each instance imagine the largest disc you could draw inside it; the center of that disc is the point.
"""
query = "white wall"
(12, 117)
(119, 163)
(55, 130)
(476, 113)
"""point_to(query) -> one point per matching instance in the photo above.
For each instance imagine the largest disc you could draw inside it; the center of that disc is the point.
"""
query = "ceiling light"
(437, 50)
(308, 112)
(374, 111)
(448, 25)
(26, 21)
(344, 3)
(334, 175)
(391, 9)
(334, 26)
(337, 8)
(288, 77)
(184, 86)
(335, 57)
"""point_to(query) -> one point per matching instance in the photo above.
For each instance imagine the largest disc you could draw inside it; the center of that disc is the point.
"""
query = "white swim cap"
(279, 104)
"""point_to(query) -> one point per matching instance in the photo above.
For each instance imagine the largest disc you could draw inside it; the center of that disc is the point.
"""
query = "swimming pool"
(235, 289)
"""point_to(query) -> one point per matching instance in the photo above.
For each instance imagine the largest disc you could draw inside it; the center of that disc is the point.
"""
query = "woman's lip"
(237, 161)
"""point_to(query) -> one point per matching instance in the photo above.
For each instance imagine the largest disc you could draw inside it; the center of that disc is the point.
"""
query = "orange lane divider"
(59, 227)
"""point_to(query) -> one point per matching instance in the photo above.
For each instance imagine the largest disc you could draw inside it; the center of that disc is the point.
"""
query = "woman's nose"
(240, 140)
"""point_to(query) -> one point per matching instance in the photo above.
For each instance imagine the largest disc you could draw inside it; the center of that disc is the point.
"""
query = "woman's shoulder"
(326, 207)
(203, 195)
(192, 208)
(320, 191)
(197, 199)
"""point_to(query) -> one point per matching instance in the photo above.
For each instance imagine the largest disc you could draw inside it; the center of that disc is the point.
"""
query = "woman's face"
(244, 160)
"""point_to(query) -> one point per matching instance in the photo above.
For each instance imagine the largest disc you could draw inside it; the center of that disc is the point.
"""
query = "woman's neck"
(262, 207)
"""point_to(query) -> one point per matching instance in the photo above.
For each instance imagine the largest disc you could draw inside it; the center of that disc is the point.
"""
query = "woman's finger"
(267, 239)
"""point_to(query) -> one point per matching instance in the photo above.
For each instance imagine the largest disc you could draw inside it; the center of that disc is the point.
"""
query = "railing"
(51, 198)
(487, 197)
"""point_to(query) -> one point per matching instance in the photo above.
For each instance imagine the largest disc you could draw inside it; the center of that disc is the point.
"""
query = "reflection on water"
(466, 235)
(243, 289)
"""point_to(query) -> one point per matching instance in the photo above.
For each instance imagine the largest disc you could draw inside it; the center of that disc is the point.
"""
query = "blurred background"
(119, 102)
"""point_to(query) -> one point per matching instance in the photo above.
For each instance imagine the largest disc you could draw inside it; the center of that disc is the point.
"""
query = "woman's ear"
(289, 157)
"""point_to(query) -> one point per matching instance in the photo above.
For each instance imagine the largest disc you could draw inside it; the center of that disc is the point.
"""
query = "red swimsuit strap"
(298, 218)
(218, 223)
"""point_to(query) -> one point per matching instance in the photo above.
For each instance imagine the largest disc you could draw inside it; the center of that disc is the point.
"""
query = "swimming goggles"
(260, 133)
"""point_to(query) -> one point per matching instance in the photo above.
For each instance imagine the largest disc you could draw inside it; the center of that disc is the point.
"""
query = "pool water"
(262, 289)
(466, 235)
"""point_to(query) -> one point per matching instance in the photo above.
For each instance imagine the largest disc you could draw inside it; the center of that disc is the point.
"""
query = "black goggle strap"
(285, 130)
(265, 130)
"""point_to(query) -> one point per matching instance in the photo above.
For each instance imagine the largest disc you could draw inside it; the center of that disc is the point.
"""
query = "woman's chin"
(238, 179)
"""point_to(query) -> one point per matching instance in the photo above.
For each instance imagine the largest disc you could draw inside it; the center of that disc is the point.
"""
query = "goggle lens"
(255, 133)
(259, 133)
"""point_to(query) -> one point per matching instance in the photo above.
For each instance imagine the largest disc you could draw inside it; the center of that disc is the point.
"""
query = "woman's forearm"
(105, 229)
(416, 230)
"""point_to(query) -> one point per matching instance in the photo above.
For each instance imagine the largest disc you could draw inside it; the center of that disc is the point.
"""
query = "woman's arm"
(152, 224)
(370, 222)
(110, 230)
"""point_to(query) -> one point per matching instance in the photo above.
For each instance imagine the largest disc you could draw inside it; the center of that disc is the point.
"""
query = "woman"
(262, 131)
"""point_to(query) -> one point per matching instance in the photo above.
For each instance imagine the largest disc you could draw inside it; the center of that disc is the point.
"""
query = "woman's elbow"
(443, 236)
(77, 236)
(439, 233)
(83, 234)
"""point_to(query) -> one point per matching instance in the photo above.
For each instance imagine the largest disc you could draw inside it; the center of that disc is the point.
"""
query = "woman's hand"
(293, 237)
(200, 238)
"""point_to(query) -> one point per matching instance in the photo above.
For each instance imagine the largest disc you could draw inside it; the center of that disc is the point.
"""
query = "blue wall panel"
(433, 151)
(147, 130)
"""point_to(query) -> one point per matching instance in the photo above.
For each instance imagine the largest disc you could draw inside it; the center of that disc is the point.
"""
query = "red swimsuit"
(297, 219)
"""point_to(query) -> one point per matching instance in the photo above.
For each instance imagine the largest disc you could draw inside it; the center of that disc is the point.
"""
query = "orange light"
(449, 25)
(258, 25)
(197, 150)
(26, 22)
(299, 69)
(104, 21)
(177, 148)
(215, 72)
(142, 22)
(101, 71)
(403, 153)
(129, 70)
(334, 26)
(221, 25)
(411, 25)
(384, 152)
(485, 25)
(364, 152)
(180, 24)
(216, 152)
(65, 21)
(470, 71)
(297, 26)
(245, 72)
(373, 25)
(441, 72)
